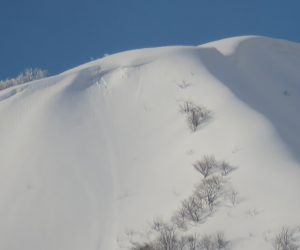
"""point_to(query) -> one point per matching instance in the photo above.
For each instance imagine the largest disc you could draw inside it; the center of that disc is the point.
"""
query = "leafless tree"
(206, 165)
(180, 219)
(209, 190)
(190, 242)
(193, 208)
(214, 242)
(166, 235)
(169, 239)
(285, 240)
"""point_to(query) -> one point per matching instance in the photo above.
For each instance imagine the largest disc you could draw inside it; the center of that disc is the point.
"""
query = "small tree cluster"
(285, 240)
(196, 208)
(196, 115)
(167, 237)
(209, 190)
(204, 198)
(26, 76)
(209, 164)
(207, 242)
(192, 209)
(190, 242)
(213, 242)
(200, 203)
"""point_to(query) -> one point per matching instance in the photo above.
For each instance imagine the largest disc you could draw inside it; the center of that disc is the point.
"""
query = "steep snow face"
(95, 152)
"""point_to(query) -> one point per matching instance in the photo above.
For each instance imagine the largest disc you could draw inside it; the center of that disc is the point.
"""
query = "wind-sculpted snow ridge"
(90, 157)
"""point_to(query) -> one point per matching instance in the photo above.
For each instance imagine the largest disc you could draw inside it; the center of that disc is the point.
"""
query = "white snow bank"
(87, 155)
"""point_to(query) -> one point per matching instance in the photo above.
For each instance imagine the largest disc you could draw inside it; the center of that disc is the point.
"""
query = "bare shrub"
(180, 219)
(207, 243)
(184, 85)
(167, 238)
(186, 107)
(193, 208)
(200, 203)
(233, 197)
(221, 242)
(209, 190)
(206, 165)
(285, 240)
(196, 115)
(213, 242)
(190, 242)
(252, 212)
(164, 237)
(225, 168)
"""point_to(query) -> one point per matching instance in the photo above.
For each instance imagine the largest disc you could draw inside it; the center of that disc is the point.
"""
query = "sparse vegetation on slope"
(285, 240)
(195, 115)
(27, 75)
(167, 237)
(195, 209)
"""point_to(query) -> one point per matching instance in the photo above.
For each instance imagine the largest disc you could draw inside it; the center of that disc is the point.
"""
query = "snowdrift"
(92, 155)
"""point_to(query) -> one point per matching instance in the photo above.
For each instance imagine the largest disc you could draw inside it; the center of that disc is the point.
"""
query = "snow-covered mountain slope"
(93, 153)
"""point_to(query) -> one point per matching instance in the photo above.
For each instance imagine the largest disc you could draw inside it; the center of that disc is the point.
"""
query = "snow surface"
(88, 155)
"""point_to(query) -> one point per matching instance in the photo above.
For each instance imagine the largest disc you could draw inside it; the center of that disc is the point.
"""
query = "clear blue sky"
(60, 34)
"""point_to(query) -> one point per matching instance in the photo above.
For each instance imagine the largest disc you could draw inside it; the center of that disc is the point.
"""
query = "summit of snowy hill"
(200, 143)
